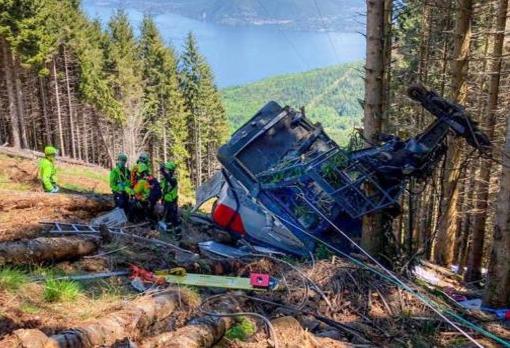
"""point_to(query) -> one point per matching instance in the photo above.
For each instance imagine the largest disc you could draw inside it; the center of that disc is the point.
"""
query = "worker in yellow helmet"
(48, 171)
(170, 193)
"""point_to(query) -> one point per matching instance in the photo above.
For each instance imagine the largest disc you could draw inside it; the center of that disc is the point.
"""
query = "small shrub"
(12, 278)
(243, 329)
(60, 290)
(29, 308)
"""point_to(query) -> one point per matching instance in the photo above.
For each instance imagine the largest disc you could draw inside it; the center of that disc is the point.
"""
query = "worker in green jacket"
(47, 170)
(120, 182)
(169, 190)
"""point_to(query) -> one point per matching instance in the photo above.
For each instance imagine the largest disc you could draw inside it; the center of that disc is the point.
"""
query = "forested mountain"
(95, 91)
(289, 14)
(330, 96)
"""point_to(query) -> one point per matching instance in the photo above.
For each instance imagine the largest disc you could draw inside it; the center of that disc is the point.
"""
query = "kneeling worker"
(147, 192)
(170, 193)
(120, 182)
(47, 170)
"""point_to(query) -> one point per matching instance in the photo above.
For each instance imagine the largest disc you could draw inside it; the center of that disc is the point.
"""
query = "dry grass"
(21, 174)
(65, 305)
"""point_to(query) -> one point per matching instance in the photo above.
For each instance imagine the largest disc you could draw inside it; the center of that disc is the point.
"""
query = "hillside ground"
(377, 313)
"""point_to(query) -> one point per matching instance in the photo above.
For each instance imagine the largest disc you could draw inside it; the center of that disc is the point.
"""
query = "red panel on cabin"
(226, 217)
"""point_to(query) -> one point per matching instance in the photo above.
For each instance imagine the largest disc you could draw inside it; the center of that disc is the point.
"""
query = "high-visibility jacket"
(120, 179)
(142, 190)
(47, 173)
(147, 189)
(170, 189)
(134, 173)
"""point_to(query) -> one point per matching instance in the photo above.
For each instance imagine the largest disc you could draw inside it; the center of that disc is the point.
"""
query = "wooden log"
(46, 249)
(34, 155)
(202, 332)
(130, 322)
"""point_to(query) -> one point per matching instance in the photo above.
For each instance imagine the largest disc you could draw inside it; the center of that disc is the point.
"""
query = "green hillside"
(330, 96)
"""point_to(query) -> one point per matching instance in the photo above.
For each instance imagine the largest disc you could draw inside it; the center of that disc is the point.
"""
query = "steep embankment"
(330, 96)
(23, 204)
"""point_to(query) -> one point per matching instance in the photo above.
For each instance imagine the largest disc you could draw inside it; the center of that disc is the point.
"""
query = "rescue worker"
(120, 182)
(146, 192)
(47, 170)
(142, 159)
(170, 193)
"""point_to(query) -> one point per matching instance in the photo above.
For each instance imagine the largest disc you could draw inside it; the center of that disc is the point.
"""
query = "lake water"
(239, 55)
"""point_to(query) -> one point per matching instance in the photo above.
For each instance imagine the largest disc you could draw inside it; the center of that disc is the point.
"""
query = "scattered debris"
(232, 252)
(91, 230)
(114, 218)
(88, 276)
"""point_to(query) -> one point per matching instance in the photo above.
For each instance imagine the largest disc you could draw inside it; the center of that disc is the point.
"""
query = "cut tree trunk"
(132, 321)
(203, 332)
(45, 249)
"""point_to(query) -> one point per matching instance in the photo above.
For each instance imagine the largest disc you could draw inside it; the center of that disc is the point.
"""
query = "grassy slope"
(20, 174)
(330, 96)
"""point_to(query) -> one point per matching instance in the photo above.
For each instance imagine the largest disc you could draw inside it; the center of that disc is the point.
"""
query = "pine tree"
(207, 120)
(164, 110)
(126, 80)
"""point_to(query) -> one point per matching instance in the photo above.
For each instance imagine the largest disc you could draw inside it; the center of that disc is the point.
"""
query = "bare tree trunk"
(13, 114)
(165, 145)
(79, 135)
(59, 111)
(198, 154)
(497, 290)
(373, 237)
(20, 102)
(475, 257)
(443, 251)
(69, 104)
(86, 134)
(44, 105)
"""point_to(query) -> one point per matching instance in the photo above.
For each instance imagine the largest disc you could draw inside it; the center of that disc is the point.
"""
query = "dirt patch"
(21, 212)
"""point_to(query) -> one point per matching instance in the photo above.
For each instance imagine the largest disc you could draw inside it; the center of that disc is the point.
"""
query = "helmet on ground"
(144, 157)
(50, 151)
(169, 166)
(122, 157)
